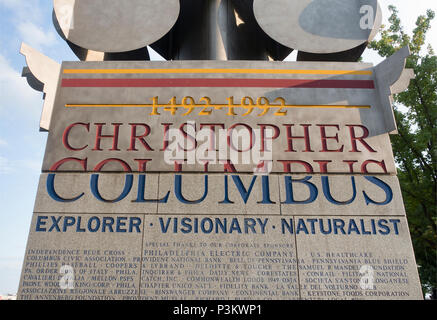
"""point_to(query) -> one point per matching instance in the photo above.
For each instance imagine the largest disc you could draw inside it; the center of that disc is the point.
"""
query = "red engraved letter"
(212, 133)
(55, 167)
(351, 165)
(134, 136)
(101, 164)
(239, 134)
(324, 137)
(323, 164)
(276, 134)
(367, 162)
(166, 128)
(228, 166)
(100, 136)
(306, 138)
(354, 138)
(287, 165)
(142, 163)
(67, 132)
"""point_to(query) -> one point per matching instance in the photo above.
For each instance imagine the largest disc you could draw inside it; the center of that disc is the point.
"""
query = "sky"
(22, 146)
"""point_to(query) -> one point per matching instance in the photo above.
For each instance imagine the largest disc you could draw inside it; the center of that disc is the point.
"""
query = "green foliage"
(415, 147)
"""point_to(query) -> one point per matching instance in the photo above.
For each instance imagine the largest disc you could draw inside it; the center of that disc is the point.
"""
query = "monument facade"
(224, 172)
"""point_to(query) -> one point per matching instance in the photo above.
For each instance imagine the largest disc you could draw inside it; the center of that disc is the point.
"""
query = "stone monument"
(223, 172)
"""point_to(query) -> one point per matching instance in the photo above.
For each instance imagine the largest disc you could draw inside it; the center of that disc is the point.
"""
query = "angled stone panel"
(82, 257)
(350, 258)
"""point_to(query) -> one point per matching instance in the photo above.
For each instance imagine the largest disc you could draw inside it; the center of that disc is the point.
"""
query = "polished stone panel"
(82, 257)
(358, 258)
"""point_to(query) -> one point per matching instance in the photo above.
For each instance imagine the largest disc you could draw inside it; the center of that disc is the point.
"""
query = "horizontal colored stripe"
(213, 105)
(218, 83)
(213, 71)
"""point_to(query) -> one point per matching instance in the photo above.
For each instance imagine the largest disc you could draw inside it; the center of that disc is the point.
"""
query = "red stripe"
(218, 83)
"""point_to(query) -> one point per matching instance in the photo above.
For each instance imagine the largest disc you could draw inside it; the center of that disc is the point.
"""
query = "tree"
(415, 147)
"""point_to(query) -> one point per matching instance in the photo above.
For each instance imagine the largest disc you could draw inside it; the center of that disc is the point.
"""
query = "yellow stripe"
(211, 105)
(211, 71)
